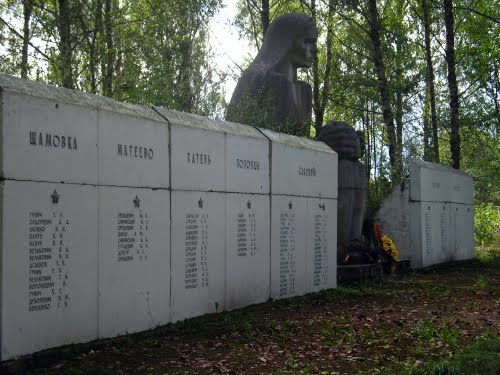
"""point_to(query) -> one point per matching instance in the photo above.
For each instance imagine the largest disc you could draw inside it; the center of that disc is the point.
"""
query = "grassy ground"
(442, 320)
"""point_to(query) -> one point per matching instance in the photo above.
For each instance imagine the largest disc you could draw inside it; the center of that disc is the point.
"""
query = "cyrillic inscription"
(194, 158)
(49, 257)
(287, 254)
(428, 233)
(196, 251)
(310, 172)
(456, 244)
(246, 230)
(53, 140)
(247, 164)
(444, 232)
(320, 273)
(133, 232)
(139, 152)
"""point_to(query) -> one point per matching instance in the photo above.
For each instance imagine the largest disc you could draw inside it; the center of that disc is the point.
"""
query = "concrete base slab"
(360, 273)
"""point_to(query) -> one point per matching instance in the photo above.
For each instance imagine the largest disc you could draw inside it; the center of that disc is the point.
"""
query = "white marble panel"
(321, 244)
(49, 266)
(434, 185)
(436, 231)
(430, 182)
(288, 246)
(247, 164)
(133, 151)
(468, 241)
(462, 188)
(394, 219)
(198, 260)
(417, 235)
(462, 231)
(197, 159)
(302, 167)
(248, 259)
(48, 140)
(134, 259)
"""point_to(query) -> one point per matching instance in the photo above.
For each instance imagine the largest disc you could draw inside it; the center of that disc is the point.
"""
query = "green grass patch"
(481, 358)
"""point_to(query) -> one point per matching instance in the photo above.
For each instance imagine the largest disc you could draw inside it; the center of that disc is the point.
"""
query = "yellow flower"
(390, 247)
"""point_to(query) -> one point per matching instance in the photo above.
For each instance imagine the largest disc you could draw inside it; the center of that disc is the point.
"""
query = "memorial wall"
(303, 216)
(119, 218)
(431, 218)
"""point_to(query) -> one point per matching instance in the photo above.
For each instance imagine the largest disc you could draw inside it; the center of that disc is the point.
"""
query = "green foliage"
(482, 358)
(487, 223)
(145, 52)
(378, 190)
(445, 332)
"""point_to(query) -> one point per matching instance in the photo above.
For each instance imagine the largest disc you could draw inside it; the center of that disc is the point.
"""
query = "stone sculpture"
(352, 185)
(268, 93)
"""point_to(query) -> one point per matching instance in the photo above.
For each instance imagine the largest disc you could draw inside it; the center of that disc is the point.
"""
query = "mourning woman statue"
(268, 93)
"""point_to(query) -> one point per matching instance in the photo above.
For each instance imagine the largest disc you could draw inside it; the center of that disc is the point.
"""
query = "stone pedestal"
(351, 204)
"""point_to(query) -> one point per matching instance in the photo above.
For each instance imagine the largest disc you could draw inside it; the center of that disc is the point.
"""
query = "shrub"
(487, 223)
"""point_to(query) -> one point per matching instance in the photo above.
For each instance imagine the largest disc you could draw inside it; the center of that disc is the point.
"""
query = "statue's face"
(304, 49)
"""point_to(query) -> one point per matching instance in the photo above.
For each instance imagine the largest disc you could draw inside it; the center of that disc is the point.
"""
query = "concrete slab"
(133, 151)
(302, 167)
(47, 140)
(321, 244)
(462, 231)
(49, 266)
(134, 260)
(247, 249)
(198, 261)
(247, 164)
(288, 246)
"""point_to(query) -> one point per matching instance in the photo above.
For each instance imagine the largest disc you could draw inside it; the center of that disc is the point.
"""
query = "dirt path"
(400, 324)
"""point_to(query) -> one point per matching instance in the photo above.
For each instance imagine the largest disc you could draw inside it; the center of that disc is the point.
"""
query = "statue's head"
(290, 37)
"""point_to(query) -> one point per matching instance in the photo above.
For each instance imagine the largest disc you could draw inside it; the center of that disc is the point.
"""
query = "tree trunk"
(320, 102)
(452, 84)
(65, 44)
(94, 46)
(27, 10)
(399, 121)
(495, 95)
(90, 36)
(394, 158)
(399, 101)
(318, 114)
(264, 16)
(428, 156)
(108, 29)
(368, 151)
(430, 83)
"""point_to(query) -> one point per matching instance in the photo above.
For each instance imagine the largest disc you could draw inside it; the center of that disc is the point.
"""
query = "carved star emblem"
(249, 204)
(290, 205)
(200, 203)
(55, 197)
(137, 202)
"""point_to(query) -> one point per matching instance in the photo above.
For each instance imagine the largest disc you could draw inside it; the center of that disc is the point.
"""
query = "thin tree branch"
(14, 31)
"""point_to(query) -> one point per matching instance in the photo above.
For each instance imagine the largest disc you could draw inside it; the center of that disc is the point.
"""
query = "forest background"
(419, 77)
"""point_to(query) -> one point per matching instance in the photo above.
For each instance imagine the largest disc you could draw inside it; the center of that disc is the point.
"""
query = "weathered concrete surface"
(431, 219)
